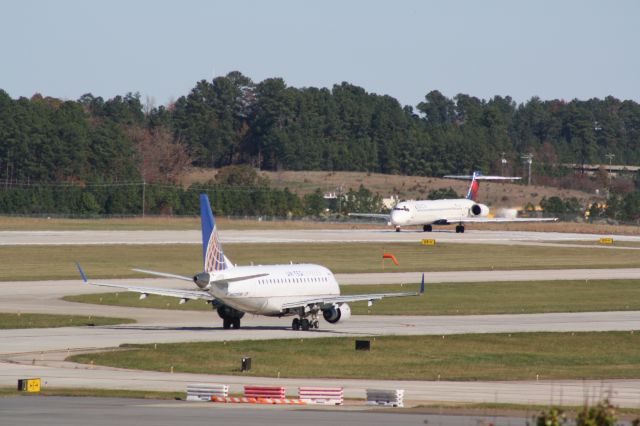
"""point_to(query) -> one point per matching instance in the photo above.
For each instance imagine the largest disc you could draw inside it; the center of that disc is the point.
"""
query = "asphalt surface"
(291, 236)
(64, 411)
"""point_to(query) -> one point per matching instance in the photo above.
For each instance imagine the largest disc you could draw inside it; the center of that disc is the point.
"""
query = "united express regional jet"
(459, 211)
(301, 290)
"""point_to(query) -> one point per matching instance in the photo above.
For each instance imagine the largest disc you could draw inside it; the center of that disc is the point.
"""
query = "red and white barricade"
(324, 395)
(274, 392)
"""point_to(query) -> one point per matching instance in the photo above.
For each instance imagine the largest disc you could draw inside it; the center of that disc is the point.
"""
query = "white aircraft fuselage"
(280, 284)
(427, 212)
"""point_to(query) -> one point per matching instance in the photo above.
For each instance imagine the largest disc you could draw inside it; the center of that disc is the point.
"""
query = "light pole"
(504, 163)
(144, 186)
(610, 157)
(529, 160)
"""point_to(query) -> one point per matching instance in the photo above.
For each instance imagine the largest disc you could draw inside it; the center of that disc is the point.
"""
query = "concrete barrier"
(206, 392)
(325, 395)
(392, 398)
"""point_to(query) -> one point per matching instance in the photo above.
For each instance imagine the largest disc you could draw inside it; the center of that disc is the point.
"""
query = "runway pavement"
(290, 236)
(64, 411)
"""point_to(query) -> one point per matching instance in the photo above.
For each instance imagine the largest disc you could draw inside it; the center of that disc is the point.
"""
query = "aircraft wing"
(384, 216)
(181, 294)
(164, 274)
(217, 281)
(336, 300)
(501, 219)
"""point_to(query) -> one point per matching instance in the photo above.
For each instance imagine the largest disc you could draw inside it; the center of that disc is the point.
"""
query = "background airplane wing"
(333, 300)
(501, 219)
(181, 294)
(383, 216)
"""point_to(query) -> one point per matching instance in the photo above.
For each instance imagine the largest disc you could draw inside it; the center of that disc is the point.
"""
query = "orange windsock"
(390, 256)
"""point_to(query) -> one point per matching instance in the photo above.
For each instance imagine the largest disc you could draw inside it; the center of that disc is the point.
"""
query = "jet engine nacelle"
(202, 280)
(333, 314)
(229, 313)
(480, 210)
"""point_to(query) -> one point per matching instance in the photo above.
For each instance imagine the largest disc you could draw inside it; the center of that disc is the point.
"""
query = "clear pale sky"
(548, 48)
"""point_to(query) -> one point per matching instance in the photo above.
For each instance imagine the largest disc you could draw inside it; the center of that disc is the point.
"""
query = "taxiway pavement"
(65, 411)
(292, 236)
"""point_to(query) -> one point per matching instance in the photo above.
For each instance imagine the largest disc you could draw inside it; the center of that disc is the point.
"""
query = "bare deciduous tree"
(161, 159)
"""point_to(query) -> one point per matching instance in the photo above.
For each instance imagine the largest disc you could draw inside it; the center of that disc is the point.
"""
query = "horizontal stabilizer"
(481, 177)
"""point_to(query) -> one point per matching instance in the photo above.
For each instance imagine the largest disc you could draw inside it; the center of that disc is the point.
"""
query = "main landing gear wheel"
(427, 228)
(397, 229)
(305, 324)
(231, 323)
(459, 229)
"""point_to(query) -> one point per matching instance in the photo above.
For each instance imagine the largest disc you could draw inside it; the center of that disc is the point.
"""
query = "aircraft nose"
(399, 218)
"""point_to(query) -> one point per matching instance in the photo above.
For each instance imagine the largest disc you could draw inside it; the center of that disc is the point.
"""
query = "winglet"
(422, 284)
(82, 274)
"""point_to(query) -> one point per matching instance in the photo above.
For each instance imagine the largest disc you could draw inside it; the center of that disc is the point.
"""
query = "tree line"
(268, 125)
(236, 191)
(272, 126)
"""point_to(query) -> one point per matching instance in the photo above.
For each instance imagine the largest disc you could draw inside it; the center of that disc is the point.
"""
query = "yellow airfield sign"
(29, 385)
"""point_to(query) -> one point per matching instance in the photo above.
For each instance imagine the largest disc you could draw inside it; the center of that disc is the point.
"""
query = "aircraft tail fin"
(472, 193)
(213, 257)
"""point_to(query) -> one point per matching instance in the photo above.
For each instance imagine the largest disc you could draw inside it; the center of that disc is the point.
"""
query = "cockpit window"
(403, 208)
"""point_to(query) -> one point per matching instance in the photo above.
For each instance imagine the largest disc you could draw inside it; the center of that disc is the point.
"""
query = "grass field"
(520, 356)
(14, 321)
(9, 223)
(102, 393)
(449, 299)
(108, 261)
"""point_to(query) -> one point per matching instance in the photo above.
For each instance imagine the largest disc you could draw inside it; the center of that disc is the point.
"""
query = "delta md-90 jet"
(304, 291)
(460, 211)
